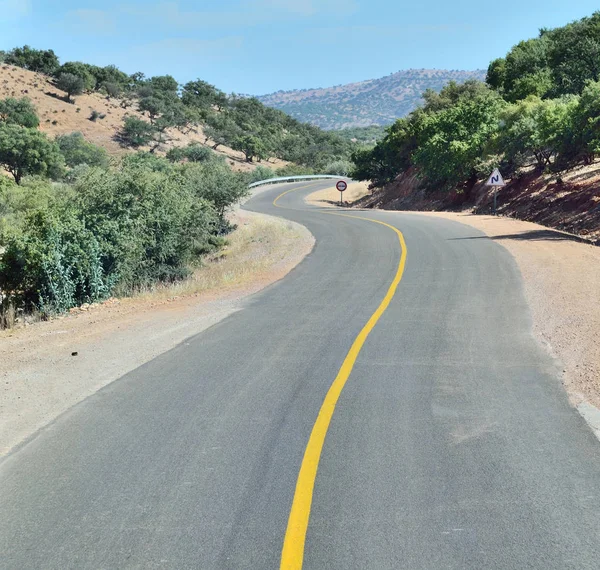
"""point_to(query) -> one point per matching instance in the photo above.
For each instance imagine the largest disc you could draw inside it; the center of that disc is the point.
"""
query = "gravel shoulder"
(40, 378)
(562, 285)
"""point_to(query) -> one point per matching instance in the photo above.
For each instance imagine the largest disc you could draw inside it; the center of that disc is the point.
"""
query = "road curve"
(452, 445)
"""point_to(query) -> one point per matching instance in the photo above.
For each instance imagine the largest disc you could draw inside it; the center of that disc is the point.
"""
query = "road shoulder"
(561, 279)
(50, 366)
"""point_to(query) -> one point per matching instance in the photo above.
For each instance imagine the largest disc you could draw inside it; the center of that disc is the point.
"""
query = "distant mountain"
(372, 102)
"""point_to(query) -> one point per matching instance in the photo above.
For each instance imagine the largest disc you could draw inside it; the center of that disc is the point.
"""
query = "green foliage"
(261, 173)
(71, 84)
(18, 112)
(452, 141)
(194, 152)
(203, 96)
(533, 130)
(136, 132)
(26, 151)
(81, 70)
(363, 135)
(216, 182)
(341, 167)
(42, 61)
(76, 150)
(294, 170)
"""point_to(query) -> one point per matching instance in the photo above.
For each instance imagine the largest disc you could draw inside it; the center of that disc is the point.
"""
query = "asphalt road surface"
(452, 446)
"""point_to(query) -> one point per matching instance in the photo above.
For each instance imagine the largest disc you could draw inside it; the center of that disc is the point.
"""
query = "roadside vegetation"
(539, 110)
(78, 225)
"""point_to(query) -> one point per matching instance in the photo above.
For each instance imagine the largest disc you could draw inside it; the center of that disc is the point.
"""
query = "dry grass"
(258, 246)
(331, 196)
(57, 117)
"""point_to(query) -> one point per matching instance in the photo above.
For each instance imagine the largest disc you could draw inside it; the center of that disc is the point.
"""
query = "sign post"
(495, 181)
(341, 186)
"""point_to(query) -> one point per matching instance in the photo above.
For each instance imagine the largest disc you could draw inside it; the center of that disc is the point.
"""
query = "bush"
(54, 264)
(341, 167)
(94, 115)
(27, 151)
(216, 182)
(261, 173)
(42, 61)
(136, 132)
(194, 152)
(19, 112)
(76, 150)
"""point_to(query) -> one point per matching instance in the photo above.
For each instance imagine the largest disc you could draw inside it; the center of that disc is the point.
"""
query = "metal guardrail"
(296, 179)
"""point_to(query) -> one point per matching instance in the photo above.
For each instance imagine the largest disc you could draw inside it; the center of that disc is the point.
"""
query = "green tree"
(82, 70)
(574, 54)
(18, 112)
(27, 151)
(203, 95)
(71, 84)
(136, 132)
(76, 150)
(452, 141)
(42, 61)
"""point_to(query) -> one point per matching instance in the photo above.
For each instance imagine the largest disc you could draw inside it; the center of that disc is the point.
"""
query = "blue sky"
(259, 46)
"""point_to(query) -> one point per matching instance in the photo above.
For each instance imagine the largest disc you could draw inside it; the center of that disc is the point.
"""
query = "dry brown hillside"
(57, 117)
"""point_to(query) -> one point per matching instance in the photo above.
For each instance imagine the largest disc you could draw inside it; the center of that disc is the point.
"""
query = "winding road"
(397, 358)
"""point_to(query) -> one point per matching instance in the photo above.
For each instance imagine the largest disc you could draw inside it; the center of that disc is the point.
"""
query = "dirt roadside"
(40, 378)
(330, 197)
(562, 285)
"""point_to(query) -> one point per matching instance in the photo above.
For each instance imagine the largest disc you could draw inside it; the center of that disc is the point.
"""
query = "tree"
(251, 145)
(574, 54)
(83, 70)
(113, 90)
(203, 95)
(42, 61)
(27, 151)
(533, 129)
(136, 132)
(76, 150)
(18, 112)
(153, 106)
(452, 142)
(72, 84)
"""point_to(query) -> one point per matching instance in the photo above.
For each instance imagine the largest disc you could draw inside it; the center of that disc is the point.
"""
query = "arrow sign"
(495, 179)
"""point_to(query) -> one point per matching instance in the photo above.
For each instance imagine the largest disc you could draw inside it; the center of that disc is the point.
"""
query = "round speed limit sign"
(341, 185)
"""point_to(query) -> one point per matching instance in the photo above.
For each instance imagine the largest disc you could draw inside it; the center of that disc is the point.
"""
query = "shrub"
(341, 167)
(76, 150)
(94, 115)
(27, 151)
(42, 61)
(19, 112)
(136, 132)
(261, 173)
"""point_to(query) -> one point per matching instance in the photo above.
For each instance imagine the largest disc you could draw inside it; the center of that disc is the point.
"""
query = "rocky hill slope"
(372, 102)
(57, 117)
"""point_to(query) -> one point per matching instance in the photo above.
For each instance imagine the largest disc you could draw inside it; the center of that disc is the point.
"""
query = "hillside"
(57, 117)
(372, 102)
(569, 202)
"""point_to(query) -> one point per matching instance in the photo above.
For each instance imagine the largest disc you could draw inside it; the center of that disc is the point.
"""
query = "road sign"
(495, 179)
(341, 185)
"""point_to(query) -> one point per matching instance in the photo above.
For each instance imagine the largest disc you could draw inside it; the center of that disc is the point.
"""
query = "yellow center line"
(292, 555)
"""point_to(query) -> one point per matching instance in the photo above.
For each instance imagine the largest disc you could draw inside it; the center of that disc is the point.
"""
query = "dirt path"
(562, 284)
(39, 376)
